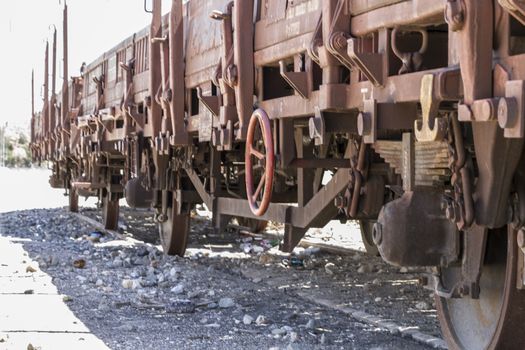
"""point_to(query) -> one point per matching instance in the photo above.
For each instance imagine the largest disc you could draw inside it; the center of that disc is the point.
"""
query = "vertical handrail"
(66, 124)
(155, 112)
(177, 67)
(46, 91)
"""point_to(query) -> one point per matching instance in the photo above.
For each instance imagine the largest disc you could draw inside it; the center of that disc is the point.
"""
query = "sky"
(95, 26)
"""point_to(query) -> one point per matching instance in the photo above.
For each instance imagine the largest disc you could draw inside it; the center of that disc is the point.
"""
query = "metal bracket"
(370, 64)
(212, 103)
(511, 110)
(431, 128)
(297, 80)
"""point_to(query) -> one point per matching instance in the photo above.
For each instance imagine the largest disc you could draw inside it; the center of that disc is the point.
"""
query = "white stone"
(247, 319)
(178, 289)
(127, 283)
(261, 320)
(225, 303)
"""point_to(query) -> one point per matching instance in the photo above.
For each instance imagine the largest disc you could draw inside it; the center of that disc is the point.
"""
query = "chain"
(459, 209)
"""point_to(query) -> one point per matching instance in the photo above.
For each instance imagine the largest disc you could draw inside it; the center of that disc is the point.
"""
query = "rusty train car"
(407, 115)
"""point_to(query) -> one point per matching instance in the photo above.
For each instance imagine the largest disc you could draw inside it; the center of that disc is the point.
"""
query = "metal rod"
(65, 87)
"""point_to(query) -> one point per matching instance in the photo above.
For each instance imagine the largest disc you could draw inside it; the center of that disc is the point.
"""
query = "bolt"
(364, 124)
(507, 113)
(340, 201)
(340, 41)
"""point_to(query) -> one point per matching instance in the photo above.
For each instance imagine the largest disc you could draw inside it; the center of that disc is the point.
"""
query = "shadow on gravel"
(229, 292)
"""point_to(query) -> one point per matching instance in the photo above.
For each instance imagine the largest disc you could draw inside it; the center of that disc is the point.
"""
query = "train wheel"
(494, 320)
(110, 210)
(73, 200)
(253, 225)
(367, 231)
(174, 230)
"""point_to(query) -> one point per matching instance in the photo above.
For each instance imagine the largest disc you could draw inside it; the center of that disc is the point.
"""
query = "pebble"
(180, 307)
(378, 299)
(99, 283)
(312, 251)
(225, 303)
(136, 283)
(329, 268)
(366, 268)
(174, 272)
(278, 331)
(127, 283)
(118, 262)
(261, 320)
(265, 259)
(310, 324)
(422, 305)
(142, 251)
(293, 337)
(257, 249)
(323, 339)
(194, 294)
(178, 289)
(403, 270)
(247, 320)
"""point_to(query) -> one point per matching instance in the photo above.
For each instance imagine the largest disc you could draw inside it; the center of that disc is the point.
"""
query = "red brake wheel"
(263, 152)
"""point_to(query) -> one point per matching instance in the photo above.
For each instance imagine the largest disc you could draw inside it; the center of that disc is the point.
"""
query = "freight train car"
(407, 115)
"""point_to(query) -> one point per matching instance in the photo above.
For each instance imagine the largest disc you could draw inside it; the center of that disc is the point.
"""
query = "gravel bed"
(228, 292)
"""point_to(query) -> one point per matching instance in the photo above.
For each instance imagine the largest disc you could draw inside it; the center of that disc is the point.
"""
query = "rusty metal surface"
(413, 106)
(403, 243)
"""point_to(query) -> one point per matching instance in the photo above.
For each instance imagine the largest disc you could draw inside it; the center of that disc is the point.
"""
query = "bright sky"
(94, 27)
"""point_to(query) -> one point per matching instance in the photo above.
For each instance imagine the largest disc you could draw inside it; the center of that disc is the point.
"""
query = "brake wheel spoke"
(257, 154)
(259, 188)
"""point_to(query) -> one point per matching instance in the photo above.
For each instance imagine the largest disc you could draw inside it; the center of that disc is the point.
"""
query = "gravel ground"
(228, 292)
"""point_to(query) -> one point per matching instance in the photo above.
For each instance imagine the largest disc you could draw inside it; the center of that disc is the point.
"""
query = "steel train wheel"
(253, 225)
(73, 200)
(367, 232)
(494, 321)
(110, 210)
(174, 231)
